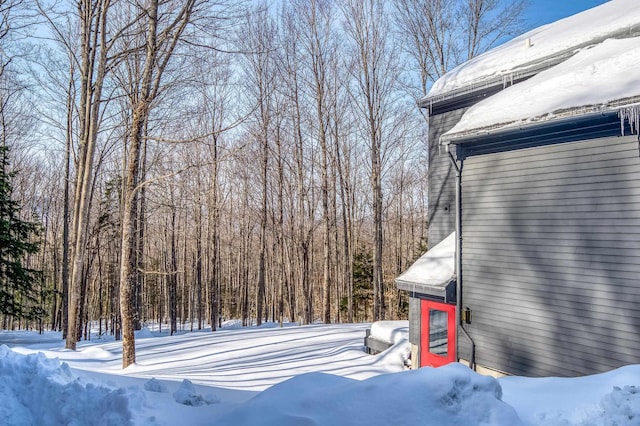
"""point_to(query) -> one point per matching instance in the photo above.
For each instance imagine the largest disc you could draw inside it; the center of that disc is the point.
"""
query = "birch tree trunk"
(66, 200)
(92, 70)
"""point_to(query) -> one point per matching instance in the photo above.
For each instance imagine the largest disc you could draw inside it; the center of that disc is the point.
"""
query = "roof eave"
(574, 128)
(445, 290)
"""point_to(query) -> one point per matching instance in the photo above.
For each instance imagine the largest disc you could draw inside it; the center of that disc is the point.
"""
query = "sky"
(542, 12)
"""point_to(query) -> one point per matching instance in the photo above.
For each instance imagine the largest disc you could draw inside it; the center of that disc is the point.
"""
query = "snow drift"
(36, 390)
(449, 395)
(173, 385)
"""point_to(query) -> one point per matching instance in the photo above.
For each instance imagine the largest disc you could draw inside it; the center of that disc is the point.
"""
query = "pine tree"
(363, 290)
(17, 240)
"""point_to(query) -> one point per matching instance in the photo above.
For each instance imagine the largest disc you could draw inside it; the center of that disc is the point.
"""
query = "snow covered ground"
(309, 375)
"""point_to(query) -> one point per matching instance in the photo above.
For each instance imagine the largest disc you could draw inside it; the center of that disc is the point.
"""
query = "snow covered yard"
(310, 375)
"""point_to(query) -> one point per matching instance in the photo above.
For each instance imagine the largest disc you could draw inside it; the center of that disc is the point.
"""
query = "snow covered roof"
(539, 49)
(602, 78)
(584, 64)
(433, 271)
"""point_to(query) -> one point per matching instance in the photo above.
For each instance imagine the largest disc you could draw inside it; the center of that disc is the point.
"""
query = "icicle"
(632, 115)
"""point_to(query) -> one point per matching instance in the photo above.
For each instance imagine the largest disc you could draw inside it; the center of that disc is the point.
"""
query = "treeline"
(196, 160)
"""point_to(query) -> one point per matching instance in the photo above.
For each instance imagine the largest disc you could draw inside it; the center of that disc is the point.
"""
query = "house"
(533, 266)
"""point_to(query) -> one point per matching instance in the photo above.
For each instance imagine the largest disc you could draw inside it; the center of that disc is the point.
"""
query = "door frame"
(428, 358)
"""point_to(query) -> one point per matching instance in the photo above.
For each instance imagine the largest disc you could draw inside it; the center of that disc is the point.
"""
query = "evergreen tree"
(362, 271)
(17, 282)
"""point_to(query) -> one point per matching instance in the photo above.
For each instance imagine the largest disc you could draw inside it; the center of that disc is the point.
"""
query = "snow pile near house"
(593, 80)
(621, 406)
(395, 333)
(449, 395)
(615, 18)
(36, 390)
(611, 398)
(390, 331)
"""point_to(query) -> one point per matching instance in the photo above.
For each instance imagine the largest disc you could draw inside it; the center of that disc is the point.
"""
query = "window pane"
(438, 343)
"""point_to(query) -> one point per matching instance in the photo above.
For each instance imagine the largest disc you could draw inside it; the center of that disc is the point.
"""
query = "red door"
(438, 334)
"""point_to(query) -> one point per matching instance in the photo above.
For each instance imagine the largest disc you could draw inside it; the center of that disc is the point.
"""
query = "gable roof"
(536, 51)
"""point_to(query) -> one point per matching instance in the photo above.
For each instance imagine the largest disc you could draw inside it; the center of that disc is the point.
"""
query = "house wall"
(551, 257)
(442, 196)
(414, 320)
(442, 190)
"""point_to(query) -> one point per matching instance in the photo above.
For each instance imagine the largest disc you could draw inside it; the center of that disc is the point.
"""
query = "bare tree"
(316, 23)
(259, 41)
(163, 32)
(273, 219)
(441, 34)
(375, 73)
(213, 116)
(92, 68)
(18, 279)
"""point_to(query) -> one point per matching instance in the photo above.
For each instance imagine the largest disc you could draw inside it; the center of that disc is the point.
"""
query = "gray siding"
(442, 197)
(414, 320)
(442, 190)
(551, 259)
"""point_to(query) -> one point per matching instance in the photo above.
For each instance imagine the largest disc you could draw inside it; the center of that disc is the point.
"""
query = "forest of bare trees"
(191, 161)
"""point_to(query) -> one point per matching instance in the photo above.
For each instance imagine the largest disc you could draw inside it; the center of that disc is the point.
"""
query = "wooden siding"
(442, 179)
(551, 259)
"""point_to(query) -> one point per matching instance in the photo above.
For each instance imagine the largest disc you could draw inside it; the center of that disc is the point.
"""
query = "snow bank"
(390, 331)
(611, 398)
(188, 395)
(36, 390)
(449, 395)
(621, 406)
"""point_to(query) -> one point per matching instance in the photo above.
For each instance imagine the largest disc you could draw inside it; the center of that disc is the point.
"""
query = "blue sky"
(542, 12)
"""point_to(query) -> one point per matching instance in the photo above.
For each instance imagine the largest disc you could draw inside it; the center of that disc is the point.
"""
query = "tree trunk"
(90, 102)
(214, 282)
(65, 207)
(129, 244)
(263, 232)
(173, 277)
(198, 262)
(139, 252)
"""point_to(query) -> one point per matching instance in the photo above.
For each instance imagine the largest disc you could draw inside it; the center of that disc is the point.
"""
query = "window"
(438, 343)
